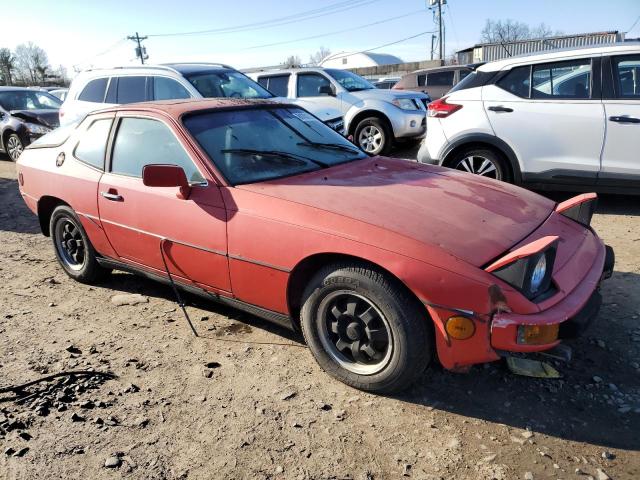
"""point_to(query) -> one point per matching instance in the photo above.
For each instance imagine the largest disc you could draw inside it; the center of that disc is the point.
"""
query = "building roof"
(377, 58)
(540, 39)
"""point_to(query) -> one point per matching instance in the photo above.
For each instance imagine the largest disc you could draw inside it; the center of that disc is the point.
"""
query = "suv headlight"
(405, 103)
(531, 274)
(37, 129)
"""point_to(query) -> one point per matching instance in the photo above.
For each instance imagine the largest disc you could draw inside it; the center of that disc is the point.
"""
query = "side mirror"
(166, 176)
(326, 90)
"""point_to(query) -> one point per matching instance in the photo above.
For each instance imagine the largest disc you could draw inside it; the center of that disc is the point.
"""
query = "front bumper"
(573, 314)
(408, 123)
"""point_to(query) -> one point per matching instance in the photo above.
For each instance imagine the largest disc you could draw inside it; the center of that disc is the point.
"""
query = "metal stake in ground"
(175, 288)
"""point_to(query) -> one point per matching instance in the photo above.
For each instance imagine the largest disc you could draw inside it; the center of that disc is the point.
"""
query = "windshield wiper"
(330, 146)
(272, 153)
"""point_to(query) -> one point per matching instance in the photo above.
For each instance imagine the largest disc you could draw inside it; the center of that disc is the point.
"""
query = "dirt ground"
(246, 400)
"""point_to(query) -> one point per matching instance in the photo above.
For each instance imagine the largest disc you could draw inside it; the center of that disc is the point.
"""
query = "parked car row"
(376, 118)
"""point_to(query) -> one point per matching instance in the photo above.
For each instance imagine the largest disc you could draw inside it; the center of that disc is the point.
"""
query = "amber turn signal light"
(460, 328)
(537, 334)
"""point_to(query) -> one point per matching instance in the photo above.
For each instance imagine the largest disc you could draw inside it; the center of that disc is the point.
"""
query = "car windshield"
(349, 81)
(257, 144)
(227, 84)
(28, 100)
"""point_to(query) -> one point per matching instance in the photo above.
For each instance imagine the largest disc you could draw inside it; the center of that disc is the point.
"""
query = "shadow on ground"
(572, 408)
(14, 214)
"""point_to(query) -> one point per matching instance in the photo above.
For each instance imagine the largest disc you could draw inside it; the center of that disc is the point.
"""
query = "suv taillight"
(441, 109)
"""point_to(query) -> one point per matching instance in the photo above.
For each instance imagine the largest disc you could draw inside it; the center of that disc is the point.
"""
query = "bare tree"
(319, 56)
(292, 61)
(7, 65)
(503, 31)
(31, 62)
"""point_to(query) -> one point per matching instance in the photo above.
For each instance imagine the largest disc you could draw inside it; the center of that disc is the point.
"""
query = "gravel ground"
(246, 400)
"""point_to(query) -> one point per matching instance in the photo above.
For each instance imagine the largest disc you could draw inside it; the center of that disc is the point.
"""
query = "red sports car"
(381, 263)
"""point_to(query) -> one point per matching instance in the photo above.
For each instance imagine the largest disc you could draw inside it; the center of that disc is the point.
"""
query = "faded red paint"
(431, 227)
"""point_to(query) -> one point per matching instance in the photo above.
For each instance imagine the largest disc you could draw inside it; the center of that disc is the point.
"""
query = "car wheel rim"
(479, 166)
(14, 147)
(371, 139)
(70, 244)
(354, 332)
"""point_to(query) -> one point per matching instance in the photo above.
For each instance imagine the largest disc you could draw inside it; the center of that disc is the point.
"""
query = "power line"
(634, 24)
(105, 51)
(336, 32)
(276, 22)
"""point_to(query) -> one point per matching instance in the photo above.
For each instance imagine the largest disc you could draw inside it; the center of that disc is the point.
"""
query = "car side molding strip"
(274, 317)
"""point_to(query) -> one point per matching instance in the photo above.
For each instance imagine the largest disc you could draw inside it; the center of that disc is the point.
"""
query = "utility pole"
(433, 5)
(141, 52)
(439, 28)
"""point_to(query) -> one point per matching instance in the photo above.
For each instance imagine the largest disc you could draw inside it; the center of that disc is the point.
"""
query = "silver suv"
(376, 118)
(99, 88)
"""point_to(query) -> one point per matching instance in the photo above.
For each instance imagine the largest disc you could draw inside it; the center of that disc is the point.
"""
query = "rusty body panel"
(432, 228)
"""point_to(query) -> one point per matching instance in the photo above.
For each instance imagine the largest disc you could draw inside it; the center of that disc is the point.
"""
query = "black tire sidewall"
(411, 339)
(91, 270)
(382, 126)
(497, 159)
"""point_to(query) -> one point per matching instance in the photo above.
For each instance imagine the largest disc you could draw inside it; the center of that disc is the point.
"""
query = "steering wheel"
(235, 95)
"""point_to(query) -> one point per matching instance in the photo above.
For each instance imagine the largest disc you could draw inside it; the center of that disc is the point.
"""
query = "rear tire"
(482, 161)
(374, 136)
(364, 328)
(74, 251)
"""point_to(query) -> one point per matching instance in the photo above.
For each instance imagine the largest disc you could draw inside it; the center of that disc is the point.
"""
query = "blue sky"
(73, 32)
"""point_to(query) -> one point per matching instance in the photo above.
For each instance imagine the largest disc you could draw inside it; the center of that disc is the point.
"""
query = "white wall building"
(359, 60)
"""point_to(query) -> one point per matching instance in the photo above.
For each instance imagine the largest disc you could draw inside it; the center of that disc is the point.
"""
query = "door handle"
(500, 108)
(621, 119)
(112, 196)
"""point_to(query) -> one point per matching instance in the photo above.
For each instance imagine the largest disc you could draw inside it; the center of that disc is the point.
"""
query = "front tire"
(74, 251)
(364, 329)
(481, 161)
(13, 146)
(373, 136)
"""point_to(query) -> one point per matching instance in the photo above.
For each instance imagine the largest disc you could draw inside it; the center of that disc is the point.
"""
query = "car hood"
(323, 113)
(470, 217)
(47, 117)
(386, 95)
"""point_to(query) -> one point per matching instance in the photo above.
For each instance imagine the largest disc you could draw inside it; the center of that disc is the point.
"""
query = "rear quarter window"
(92, 146)
(94, 91)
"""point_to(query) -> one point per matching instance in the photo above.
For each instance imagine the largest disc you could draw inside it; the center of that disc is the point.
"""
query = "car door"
(551, 115)
(620, 158)
(308, 87)
(140, 220)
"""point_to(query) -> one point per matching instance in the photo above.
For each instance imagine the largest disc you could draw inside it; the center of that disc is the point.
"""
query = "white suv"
(376, 118)
(99, 88)
(566, 119)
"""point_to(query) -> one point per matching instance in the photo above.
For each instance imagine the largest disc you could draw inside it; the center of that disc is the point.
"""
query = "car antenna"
(175, 288)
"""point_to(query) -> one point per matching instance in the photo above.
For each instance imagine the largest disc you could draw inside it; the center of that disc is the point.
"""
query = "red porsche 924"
(381, 263)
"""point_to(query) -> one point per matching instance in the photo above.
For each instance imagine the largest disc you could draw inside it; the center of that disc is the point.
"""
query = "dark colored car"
(25, 115)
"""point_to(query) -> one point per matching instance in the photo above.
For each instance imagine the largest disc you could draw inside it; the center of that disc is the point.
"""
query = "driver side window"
(142, 141)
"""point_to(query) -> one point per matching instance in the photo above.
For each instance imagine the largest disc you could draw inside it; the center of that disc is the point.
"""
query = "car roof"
(562, 53)
(17, 89)
(190, 68)
(443, 69)
(176, 108)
